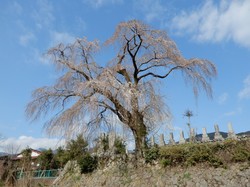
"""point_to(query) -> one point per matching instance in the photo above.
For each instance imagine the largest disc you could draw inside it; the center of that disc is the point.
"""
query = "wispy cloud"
(100, 3)
(152, 9)
(81, 25)
(17, 8)
(233, 112)
(15, 145)
(43, 14)
(26, 38)
(245, 92)
(223, 98)
(217, 21)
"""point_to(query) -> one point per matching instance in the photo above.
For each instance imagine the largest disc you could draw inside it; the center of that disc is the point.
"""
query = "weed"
(187, 176)
(165, 162)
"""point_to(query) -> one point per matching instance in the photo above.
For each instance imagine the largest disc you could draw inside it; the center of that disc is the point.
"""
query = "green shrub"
(76, 147)
(105, 143)
(198, 153)
(173, 154)
(189, 155)
(47, 161)
(215, 162)
(88, 163)
(120, 147)
(151, 154)
(241, 155)
(165, 162)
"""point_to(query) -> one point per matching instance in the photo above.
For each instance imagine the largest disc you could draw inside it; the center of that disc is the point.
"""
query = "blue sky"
(215, 30)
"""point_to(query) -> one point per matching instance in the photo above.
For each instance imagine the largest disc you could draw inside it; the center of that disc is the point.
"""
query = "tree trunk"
(140, 133)
(138, 127)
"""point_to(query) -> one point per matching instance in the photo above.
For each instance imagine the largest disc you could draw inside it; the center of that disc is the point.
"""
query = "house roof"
(34, 154)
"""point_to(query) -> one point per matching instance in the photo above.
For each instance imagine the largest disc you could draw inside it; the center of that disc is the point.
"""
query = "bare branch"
(159, 76)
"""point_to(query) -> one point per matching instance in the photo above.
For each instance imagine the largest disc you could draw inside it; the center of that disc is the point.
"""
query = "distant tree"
(26, 159)
(61, 157)
(188, 113)
(76, 148)
(26, 167)
(9, 168)
(46, 160)
(88, 93)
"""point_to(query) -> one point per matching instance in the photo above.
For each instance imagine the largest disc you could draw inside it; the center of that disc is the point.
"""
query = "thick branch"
(124, 73)
(115, 111)
(118, 107)
(134, 63)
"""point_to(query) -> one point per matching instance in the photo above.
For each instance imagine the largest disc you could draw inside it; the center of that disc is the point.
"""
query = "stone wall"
(150, 176)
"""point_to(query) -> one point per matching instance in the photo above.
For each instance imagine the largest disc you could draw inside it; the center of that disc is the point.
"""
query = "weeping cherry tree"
(88, 92)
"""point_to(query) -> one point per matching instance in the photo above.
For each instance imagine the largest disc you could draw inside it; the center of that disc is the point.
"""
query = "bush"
(215, 154)
(47, 160)
(215, 162)
(241, 155)
(76, 147)
(172, 155)
(105, 143)
(198, 154)
(165, 162)
(189, 155)
(120, 147)
(151, 154)
(88, 163)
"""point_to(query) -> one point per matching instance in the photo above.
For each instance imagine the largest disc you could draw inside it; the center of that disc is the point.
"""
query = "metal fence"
(53, 173)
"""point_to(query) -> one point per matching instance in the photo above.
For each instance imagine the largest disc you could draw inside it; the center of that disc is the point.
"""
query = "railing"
(53, 173)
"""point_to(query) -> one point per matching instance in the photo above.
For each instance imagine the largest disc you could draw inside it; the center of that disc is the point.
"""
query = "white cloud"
(245, 92)
(25, 39)
(15, 145)
(61, 37)
(217, 21)
(153, 9)
(100, 3)
(223, 98)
